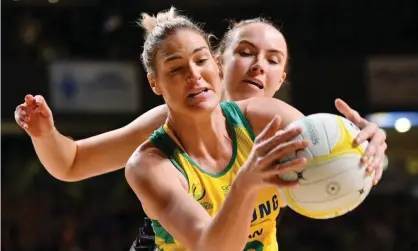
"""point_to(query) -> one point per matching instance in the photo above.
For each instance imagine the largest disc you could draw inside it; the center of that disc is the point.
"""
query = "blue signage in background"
(94, 87)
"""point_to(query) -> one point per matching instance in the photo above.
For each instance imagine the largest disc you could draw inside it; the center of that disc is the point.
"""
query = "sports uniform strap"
(165, 144)
(162, 141)
(235, 116)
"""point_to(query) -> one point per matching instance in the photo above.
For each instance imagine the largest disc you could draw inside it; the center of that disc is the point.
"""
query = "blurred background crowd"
(365, 52)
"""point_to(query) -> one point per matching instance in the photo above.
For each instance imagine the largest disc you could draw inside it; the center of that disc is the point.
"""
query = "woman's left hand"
(369, 131)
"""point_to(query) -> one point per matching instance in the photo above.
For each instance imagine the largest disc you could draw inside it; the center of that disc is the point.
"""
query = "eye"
(201, 61)
(176, 69)
(245, 53)
(273, 59)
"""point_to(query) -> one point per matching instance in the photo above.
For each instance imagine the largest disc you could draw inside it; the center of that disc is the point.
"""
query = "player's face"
(187, 74)
(254, 63)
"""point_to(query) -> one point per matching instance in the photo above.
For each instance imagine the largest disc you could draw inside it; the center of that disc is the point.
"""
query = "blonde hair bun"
(150, 22)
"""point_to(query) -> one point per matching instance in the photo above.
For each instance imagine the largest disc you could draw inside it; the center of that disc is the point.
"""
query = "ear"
(282, 79)
(220, 63)
(153, 83)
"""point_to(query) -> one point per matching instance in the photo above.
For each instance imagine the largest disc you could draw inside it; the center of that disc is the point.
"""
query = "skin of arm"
(260, 111)
(163, 194)
(70, 160)
(165, 198)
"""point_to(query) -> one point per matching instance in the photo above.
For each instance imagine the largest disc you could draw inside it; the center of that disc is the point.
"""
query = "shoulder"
(144, 157)
(149, 164)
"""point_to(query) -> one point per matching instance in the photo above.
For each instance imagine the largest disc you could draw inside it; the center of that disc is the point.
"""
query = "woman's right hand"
(262, 168)
(34, 116)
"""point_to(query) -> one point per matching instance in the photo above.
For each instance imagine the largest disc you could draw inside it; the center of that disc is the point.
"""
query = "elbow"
(63, 176)
(73, 172)
(65, 169)
(67, 176)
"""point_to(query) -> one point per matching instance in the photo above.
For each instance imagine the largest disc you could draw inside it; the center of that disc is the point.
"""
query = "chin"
(208, 106)
(248, 95)
(204, 106)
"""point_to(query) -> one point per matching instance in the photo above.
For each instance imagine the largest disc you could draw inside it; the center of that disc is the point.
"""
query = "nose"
(257, 68)
(194, 75)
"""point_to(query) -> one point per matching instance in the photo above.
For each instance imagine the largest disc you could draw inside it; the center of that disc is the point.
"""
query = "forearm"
(260, 111)
(229, 229)
(68, 160)
(56, 153)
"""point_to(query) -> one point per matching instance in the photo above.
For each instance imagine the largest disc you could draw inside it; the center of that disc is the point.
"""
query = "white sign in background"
(94, 87)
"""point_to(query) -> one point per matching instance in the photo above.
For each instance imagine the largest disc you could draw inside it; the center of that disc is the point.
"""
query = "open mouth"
(254, 83)
(194, 94)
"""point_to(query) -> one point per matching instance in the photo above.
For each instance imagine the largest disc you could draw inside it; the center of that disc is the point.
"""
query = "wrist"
(244, 184)
(49, 134)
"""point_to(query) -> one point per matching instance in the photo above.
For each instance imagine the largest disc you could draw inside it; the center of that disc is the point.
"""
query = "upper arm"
(110, 151)
(260, 111)
(155, 182)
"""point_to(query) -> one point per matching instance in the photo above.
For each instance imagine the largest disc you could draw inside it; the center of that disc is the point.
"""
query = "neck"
(202, 137)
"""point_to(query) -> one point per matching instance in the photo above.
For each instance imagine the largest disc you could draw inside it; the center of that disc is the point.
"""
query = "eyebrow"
(174, 57)
(252, 45)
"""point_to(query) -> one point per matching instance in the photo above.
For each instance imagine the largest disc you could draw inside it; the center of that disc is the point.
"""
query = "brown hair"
(158, 28)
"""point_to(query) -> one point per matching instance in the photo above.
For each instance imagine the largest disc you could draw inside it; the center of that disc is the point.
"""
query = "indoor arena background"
(365, 52)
